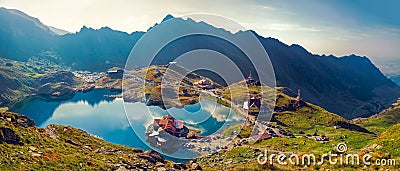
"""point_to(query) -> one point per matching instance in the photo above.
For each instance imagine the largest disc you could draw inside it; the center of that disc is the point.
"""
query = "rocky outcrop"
(56, 77)
(195, 166)
(17, 119)
(56, 84)
(151, 156)
(192, 135)
(179, 166)
(72, 143)
(91, 152)
(9, 136)
(55, 89)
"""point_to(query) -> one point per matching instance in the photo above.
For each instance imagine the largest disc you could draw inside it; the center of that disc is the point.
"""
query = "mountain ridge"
(351, 86)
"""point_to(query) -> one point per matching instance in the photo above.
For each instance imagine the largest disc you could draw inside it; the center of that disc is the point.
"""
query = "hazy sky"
(340, 27)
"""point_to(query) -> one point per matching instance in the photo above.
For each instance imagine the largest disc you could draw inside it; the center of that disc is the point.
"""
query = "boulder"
(155, 155)
(151, 156)
(25, 121)
(10, 137)
(179, 166)
(18, 120)
(192, 135)
(72, 142)
(195, 166)
(137, 150)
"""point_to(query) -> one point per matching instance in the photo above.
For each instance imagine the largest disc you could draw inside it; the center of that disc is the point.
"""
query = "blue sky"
(340, 27)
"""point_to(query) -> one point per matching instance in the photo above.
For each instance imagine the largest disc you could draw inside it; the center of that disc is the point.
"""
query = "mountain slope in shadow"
(351, 85)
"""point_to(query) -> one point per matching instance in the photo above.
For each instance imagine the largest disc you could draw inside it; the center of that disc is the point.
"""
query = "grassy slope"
(388, 141)
(311, 119)
(380, 123)
(92, 154)
(18, 79)
(388, 126)
(308, 119)
(14, 83)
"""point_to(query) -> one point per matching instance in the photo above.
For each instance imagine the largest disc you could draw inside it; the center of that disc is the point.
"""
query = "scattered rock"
(10, 137)
(31, 148)
(179, 166)
(195, 166)
(72, 143)
(105, 150)
(137, 150)
(161, 169)
(192, 135)
(159, 164)
(36, 155)
(86, 147)
(155, 155)
(151, 156)
(25, 121)
(20, 120)
(122, 168)
(375, 146)
(140, 166)
(51, 131)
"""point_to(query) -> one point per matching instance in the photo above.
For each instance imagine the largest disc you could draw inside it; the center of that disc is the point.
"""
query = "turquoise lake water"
(105, 117)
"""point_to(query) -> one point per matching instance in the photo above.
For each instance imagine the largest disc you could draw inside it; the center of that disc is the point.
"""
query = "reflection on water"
(41, 110)
(105, 117)
(91, 111)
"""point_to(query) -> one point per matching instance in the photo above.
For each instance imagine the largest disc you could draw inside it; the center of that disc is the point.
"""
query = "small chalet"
(170, 125)
(261, 137)
(203, 84)
(115, 73)
(253, 106)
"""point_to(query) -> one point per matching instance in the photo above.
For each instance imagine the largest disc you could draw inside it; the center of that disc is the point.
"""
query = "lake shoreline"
(106, 117)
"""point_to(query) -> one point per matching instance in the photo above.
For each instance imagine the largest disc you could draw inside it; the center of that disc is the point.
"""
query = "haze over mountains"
(350, 86)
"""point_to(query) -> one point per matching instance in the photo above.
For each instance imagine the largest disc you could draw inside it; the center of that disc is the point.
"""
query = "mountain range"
(351, 86)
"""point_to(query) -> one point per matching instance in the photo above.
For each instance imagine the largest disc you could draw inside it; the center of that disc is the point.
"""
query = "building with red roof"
(170, 125)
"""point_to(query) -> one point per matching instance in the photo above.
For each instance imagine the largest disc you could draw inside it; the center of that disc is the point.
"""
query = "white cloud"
(289, 27)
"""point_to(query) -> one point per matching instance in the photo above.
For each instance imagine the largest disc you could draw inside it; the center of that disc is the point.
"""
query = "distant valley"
(395, 78)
